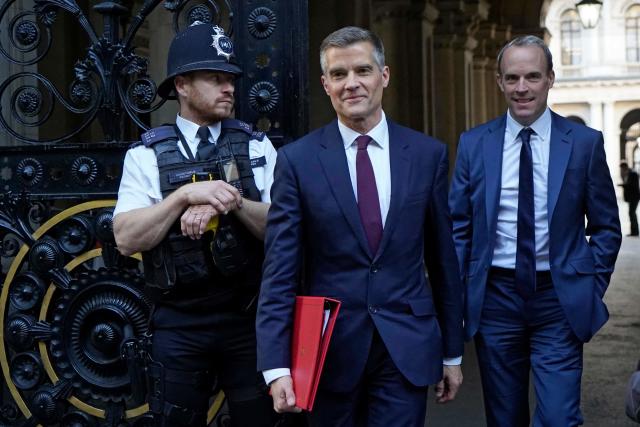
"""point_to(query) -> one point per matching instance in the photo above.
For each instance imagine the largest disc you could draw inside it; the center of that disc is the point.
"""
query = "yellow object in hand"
(213, 224)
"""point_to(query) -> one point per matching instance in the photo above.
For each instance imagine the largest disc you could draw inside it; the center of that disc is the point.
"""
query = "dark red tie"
(368, 202)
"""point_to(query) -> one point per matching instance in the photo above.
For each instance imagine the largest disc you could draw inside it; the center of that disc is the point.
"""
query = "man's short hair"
(528, 40)
(351, 35)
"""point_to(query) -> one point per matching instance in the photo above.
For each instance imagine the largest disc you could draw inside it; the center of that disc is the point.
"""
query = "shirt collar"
(541, 126)
(190, 129)
(378, 133)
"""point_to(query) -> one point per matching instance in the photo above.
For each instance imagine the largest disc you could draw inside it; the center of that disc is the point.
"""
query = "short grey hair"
(348, 36)
(528, 40)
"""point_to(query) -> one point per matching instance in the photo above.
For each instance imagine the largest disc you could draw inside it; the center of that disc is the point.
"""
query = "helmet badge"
(222, 43)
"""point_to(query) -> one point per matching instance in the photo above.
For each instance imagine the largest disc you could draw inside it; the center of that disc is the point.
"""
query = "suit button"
(375, 268)
(373, 309)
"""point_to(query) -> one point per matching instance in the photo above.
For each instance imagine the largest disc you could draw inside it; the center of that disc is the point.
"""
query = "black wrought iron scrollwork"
(84, 170)
(263, 96)
(26, 370)
(200, 13)
(89, 326)
(26, 290)
(14, 216)
(262, 22)
(76, 235)
(186, 12)
(30, 171)
(111, 81)
(104, 226)
(18, 331)
(68, 297)
(46, 255)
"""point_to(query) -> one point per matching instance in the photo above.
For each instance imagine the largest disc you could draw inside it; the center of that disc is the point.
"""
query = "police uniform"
(204, 325)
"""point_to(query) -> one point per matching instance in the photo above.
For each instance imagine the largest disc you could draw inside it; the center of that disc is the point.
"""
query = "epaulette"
(258, 136)
(158, 134)
(238, 125)
(243, 126)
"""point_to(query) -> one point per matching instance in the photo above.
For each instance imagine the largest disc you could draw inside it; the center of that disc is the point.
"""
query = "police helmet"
(201, 46)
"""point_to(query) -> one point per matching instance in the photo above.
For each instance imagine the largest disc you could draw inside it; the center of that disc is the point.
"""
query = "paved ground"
(609, 358)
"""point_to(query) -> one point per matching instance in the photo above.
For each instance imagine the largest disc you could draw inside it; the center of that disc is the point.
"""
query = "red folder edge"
(307, 362)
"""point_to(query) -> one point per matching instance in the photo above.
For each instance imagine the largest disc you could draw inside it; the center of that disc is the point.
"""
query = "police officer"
(181, 181)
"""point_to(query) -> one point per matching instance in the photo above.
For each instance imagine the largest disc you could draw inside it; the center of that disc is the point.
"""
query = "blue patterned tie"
(368, 202)
(526, 246)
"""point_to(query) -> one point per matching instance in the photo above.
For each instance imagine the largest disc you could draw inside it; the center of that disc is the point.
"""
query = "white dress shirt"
(504, 253)
(140, 183)
(378, 150)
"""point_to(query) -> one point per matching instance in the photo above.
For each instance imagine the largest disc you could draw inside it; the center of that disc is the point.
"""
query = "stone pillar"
(483, 75)
(399, 24)
(502, 36)
(596, 113)
(454, 45)
(429, 18)
(611, 139)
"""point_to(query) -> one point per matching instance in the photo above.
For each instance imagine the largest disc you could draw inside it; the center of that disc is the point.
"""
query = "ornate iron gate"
(69, 300)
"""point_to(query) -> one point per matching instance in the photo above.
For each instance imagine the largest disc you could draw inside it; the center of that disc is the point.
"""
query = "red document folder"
(309, 345)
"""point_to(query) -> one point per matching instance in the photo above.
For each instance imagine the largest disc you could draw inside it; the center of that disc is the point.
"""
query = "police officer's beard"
(205, 113)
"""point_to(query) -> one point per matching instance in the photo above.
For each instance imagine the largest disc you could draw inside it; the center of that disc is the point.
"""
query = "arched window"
(570, 41)
(632, 27)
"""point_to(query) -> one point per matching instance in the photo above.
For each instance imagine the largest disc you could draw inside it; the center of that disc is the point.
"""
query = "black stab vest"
(199, 284)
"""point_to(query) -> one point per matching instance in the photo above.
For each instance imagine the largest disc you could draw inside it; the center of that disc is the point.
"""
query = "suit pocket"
(583, 265)
(422, 307)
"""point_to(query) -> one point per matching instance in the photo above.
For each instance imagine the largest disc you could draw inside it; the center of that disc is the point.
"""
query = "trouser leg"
(503, 355)
(391, 400)
(633, 218)
(180, 385)
(556, 362)
(247, 395)
(383, 397)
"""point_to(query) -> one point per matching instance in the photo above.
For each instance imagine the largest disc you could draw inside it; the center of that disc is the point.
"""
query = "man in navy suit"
(362, 202)
(534, 274)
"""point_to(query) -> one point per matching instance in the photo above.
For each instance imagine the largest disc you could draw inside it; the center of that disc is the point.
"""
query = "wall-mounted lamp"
(589, 11)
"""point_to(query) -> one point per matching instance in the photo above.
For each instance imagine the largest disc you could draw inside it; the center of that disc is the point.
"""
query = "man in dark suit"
(363, 201)
(631, 194)
(534, 274)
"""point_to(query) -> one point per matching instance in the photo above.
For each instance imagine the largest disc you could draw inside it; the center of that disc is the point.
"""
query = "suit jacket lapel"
(493, 143)
(334, 163)
(400, 170)
(559, 153)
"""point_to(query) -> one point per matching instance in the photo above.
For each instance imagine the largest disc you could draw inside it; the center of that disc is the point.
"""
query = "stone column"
(611, 138)
(596, 113)
(399, 24)
(483, 74)
(502, 35)
(454, 45)
(429, 17)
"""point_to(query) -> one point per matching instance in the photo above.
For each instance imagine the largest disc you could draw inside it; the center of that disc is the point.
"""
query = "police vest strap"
(244, 127)
(161, 133)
